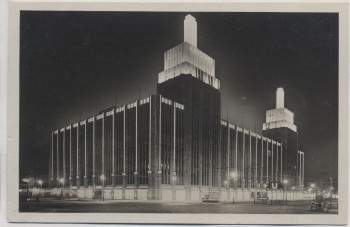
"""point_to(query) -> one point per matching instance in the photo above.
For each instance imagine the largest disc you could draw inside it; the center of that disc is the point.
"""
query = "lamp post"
(226, 182)
(61, 180)
(330, 199)
(173, 184)
(40, 182)
(313, 186)
(26, 180)
(293, 188)
(285, 182)
(233, 176)
(102, 178)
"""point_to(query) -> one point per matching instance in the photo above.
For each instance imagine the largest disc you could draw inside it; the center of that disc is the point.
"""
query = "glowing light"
(233, 175)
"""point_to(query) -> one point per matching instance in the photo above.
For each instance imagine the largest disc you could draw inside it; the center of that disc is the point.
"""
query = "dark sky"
(74, 63)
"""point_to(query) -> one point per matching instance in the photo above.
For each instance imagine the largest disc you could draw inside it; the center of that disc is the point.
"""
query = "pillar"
(250, 162)
(149, 172)
(173, 185)
(236, 158)
(267, 161)
(256, 162)
(277, 161)
(85, 167)
(113, 154)
(64, 157)
(93, 156)
(77, 177)
(124, 167)
(262, 161)
(272, 160)
(136, 153)
(243, 159)
(52, 174)
(136, 175)
(70, 158)
(281, 164)
(159, 194)
(173, 159)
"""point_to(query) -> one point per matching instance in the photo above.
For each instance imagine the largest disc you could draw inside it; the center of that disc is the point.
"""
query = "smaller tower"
(280, 126)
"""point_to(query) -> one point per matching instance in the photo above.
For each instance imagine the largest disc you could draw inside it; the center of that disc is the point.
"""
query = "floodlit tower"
(189, 78)
(280, 126)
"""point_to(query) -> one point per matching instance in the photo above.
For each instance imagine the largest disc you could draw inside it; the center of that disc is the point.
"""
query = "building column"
(228, 160)
(136, 153)
(93, 156)
(85, 162)
(267, 161)
(58, 158)
(103, 151)
(236, 159)
(113, 152)
(149, 172)
(256, 162)
(136, 185)
(272, 142)
(124, 167)
(262, 162)
(173, 159)
(173, 185)
(243, 159)
(250, 161)
(159, 194)
(70, 157)
(64, 156)
(277, 161)
(281, 164)
(52, 160)
(302, 180)
(78, 180)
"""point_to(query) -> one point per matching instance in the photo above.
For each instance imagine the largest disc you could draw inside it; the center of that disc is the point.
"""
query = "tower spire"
(190, 30)
(279, 98)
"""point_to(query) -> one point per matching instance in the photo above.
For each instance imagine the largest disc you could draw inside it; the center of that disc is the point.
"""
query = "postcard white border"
(13, 113)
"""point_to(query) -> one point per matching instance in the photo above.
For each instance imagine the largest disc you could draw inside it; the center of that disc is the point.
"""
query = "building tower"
(189, 78)
(280, 126)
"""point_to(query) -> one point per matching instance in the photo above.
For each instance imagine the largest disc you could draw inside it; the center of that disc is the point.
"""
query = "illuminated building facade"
(172, 145)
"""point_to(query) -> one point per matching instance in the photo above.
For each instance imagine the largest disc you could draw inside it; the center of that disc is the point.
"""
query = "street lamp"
(233, 175)
(226, 183)
(293, 188)
(173, 184)
(102, 178)
(26, 180)
(265, 186)
(313, 187)
(285, 182)
(40, 182)
(61, 180)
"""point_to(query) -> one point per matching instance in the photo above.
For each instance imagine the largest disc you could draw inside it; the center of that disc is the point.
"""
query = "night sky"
(75, 63)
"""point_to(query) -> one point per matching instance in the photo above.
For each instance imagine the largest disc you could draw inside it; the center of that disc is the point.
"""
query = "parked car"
(211, 197)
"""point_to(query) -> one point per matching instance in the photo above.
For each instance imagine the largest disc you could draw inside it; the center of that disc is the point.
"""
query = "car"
(211, 197)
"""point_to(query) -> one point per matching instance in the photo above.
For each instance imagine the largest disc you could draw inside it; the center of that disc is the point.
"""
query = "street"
(125, 206)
